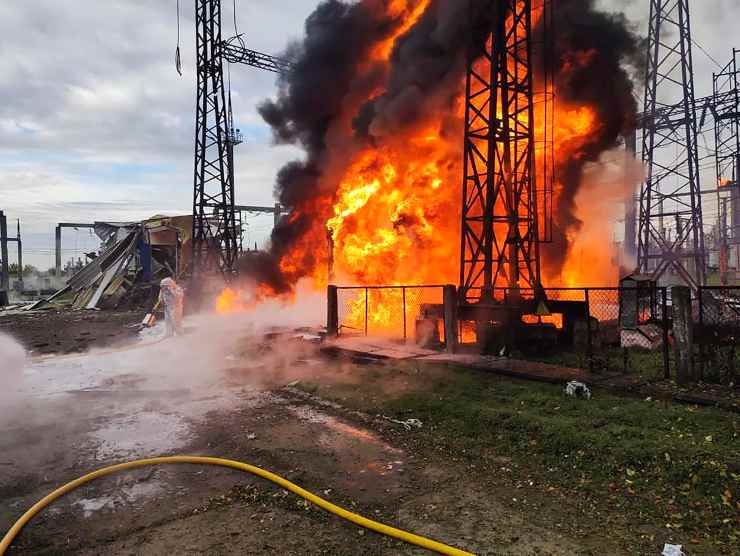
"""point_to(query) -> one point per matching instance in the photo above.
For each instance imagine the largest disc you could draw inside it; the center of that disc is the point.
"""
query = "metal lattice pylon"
(671, 236)
(500, 246)
(215, 233)
(726, 84)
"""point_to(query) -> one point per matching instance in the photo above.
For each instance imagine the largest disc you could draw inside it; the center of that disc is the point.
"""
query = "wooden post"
(666, 355)
(589, 332)
(332, 312)
(683, 333)
(450, 312)
(405, 334)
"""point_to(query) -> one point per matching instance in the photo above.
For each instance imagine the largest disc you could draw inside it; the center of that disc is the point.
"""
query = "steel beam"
(234, 52)
(500, 242)
(58, 241)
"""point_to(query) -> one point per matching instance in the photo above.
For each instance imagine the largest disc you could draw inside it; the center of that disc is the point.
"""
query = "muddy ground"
(245, 399)
(50, 331)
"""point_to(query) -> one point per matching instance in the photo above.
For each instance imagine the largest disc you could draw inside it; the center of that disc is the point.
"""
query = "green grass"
(644, 362)
(676, 465)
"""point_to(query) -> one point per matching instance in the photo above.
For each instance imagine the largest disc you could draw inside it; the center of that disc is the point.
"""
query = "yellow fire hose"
(284, 483)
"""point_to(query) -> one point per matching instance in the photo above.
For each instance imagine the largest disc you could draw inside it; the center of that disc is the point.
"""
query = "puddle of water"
(142, 435)
(362, 435)
(91, 505)
(126, 494)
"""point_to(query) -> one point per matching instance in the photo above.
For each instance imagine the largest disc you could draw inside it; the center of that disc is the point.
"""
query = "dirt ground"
(78, 414)
(44, 332)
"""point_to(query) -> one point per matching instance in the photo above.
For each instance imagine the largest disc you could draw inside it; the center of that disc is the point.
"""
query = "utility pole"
(4, 266)
(215, 231)
(669, 151)
(214, 226)
(19, 241)
(500, 243)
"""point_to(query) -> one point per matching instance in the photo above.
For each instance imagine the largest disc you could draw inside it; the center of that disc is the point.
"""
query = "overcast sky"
(95, 124)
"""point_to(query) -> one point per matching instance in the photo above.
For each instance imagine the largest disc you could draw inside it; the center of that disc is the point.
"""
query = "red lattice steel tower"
(500, 244)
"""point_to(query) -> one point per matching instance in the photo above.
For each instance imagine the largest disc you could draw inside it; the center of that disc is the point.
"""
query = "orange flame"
(231, 301)
(395, 216)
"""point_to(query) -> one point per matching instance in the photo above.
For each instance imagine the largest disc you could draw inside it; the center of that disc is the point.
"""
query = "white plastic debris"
(673, 550)
(577, 390)
(408, 424)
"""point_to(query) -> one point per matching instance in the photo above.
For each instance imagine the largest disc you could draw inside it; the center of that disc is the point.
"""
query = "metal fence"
(630, 330)
(618, 329)
(623, 329)
(716, 333)
(394, 312)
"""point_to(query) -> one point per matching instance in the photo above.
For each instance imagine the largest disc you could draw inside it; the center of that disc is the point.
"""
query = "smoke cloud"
(592, 51)
(342, 98)
(13, 358)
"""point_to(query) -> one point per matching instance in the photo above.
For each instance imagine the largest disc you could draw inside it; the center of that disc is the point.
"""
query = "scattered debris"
(408, 424)
(126, 271)
(577, 390)
(673, 550)
(648, 336)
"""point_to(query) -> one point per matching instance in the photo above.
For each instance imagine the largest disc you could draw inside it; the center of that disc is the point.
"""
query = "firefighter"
(171, 296)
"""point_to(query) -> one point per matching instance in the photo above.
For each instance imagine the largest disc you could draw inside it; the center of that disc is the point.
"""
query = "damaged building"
(125, 272)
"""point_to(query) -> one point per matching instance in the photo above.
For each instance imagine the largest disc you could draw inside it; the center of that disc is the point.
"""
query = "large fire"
(391, 210)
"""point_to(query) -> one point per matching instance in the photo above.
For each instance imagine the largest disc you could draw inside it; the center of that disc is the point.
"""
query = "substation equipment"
(667, 232)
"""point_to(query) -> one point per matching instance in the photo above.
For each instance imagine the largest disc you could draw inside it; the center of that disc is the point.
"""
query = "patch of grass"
(676, 465)
(646, 363)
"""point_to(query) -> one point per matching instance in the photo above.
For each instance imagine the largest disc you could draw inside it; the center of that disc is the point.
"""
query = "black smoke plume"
(323, 107)
(592, 51)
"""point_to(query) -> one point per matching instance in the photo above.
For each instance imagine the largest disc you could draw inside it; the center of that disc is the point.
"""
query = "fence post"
(683, 333)
(702, 347)
(589, 340)
(666, 354)
(450, 312)
(366, 294)
(332, 312)
(403, 290)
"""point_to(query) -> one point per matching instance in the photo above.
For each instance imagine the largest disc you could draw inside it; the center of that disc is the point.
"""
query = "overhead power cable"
(178, 58)
(700, 47)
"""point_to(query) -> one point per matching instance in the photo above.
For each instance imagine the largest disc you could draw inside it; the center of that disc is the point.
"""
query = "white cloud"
(96, 124)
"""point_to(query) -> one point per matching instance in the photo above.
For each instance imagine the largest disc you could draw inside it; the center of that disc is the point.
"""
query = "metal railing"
(717, 333)
(386, 311)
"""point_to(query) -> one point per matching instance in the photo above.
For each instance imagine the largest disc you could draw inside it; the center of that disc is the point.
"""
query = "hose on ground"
(378, 527)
